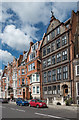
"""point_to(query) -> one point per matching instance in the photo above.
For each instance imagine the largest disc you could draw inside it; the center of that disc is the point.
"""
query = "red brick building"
(33, 69)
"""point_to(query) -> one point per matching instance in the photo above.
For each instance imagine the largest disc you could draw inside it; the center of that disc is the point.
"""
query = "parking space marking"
(52, 116)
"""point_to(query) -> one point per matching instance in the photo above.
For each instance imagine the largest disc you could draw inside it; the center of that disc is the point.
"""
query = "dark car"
(22, 102)
(4, 100)
(37, 103)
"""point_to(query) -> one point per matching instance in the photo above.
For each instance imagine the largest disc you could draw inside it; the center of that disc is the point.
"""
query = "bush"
(69, 101)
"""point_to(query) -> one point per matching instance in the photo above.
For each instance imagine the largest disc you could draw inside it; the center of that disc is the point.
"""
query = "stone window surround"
(56, 74)
(35, 86)
(55, 58)
(51, 88)
(55, 43)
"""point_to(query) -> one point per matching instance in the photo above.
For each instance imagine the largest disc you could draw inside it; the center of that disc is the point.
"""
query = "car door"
(17, 101)
(34, 103)
(31, 102)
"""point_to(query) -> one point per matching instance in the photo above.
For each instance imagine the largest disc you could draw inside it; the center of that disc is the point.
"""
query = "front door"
(24, 93)
(65, 91)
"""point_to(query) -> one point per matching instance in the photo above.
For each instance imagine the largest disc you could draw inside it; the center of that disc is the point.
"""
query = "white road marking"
(52, 116)
(20, 110)
(12, 108)
(2, 107)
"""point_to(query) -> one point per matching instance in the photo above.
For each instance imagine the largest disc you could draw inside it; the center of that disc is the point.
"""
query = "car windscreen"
(39, 100)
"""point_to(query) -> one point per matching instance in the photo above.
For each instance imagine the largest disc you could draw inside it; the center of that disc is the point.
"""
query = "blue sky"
(24, 22)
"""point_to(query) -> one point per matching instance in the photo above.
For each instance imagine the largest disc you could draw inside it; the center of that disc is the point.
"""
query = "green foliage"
(68, 101)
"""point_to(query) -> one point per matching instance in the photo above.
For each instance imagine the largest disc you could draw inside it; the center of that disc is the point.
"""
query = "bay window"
(34, 90)
(38, 89)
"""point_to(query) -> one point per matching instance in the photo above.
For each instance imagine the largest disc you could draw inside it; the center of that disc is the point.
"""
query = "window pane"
(37, 89)
(58, 43)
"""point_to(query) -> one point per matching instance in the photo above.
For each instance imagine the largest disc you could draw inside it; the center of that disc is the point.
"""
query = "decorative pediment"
(53, 24)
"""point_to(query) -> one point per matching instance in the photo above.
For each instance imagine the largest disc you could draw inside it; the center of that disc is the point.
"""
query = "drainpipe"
(69, 65)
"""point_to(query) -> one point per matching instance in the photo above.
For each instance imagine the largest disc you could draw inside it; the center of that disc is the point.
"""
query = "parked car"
(4, 100)
(22, 102)
(1, 99)
(37, 103)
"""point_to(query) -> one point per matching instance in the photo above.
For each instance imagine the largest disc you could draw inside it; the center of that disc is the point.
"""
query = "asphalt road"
(13, 111)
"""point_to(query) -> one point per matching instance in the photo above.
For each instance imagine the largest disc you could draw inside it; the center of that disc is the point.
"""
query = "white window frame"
(38, 89)
(77, 89)
(35, 90)
(76, 70)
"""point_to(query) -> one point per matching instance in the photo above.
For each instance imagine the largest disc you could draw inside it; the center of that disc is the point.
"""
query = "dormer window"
(34, 47)
(32, 56)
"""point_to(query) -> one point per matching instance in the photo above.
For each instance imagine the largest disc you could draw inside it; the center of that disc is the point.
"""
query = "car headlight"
(40, 103)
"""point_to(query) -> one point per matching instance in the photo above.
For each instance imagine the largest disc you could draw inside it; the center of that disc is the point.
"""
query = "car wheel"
(29, 105)
(37, 106)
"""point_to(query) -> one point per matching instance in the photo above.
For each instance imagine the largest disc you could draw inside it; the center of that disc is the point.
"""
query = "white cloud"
(15, 38)
(63, 9)
(6, 57)
(31, 13)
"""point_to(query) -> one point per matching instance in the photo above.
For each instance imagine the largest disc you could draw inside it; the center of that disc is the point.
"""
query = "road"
(14, 111)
